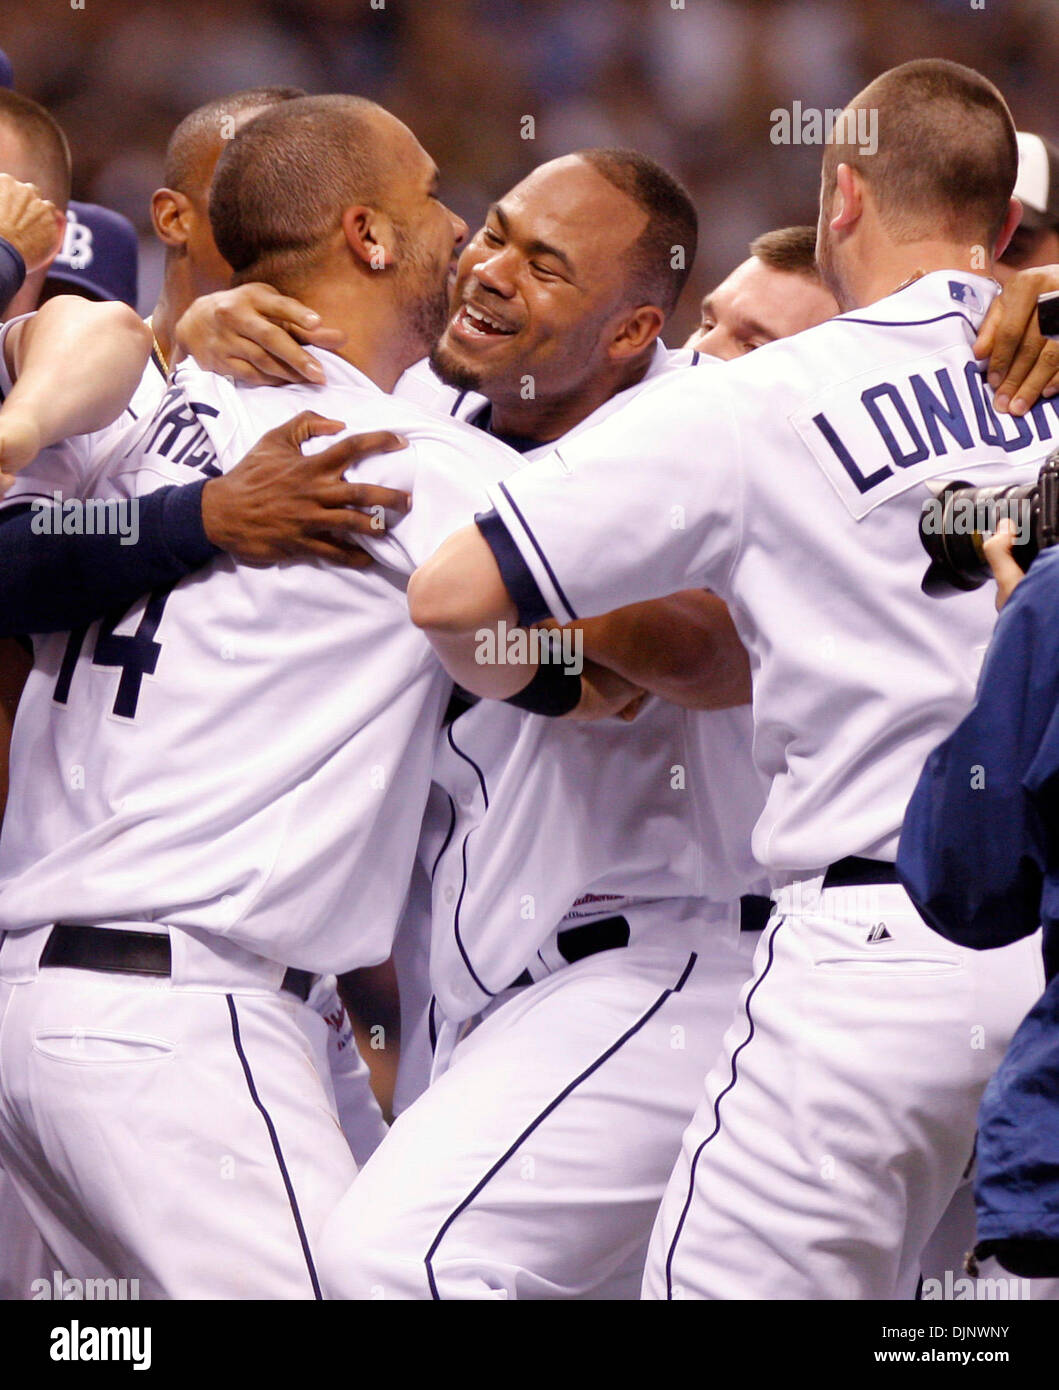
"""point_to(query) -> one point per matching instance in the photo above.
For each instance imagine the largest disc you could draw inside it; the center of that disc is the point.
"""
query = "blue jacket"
(979, 855)
(979, 852)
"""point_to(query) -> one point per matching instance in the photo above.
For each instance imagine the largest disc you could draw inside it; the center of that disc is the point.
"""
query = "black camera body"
(955, 523)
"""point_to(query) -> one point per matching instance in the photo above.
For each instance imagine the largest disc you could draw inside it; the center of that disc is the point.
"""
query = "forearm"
(486, 662)
(54, 582)
(683, 648)
(76, 365)
(459, 600)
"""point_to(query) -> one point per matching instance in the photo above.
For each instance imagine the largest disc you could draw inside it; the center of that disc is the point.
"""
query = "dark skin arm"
(1023, 364)
(278, 503)
(683, 648)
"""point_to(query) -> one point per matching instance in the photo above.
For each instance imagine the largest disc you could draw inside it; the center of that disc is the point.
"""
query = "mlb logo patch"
(965, 294)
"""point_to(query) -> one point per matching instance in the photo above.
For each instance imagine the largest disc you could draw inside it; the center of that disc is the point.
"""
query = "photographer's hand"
(1005, 568)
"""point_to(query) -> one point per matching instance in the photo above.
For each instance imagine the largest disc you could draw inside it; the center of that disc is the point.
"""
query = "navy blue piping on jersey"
(274, 1137)
(548, 1110)
(448, 835)
(695, 357)
(911, 323)
(716, 1112)
(459, 401)
(544, 559)
(432, 1023)
(463, 858)
(519, 582)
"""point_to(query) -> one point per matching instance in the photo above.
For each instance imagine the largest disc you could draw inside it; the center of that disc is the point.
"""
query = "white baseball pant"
(23, 1257)
(182, 1134)
(533, 1166)
(840, 1118)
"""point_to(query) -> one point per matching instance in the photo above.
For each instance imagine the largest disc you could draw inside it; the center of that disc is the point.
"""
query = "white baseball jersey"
(248, 753)
(791, 484)
(549, 823)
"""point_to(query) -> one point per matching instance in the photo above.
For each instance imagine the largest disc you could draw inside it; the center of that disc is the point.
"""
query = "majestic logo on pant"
(879, 933)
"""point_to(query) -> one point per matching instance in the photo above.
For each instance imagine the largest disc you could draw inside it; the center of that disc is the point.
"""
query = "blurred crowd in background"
(693, 86)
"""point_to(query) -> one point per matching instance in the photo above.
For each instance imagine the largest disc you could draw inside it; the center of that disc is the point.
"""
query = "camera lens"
(955, 524)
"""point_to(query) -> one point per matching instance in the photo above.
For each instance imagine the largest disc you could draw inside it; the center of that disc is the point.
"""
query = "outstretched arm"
(75, 366)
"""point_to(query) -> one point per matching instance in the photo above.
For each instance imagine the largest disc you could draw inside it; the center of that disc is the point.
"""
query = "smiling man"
(550, 332)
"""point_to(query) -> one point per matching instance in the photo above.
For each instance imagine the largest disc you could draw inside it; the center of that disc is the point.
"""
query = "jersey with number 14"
(249, 753)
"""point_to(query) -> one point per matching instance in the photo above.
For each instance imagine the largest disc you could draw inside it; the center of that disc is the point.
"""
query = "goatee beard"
(452, 371)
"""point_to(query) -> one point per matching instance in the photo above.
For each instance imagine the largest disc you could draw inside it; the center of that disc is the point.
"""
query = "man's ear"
(847, 205)
(171, 216)
(370, 236)
(636, 333)
(1008, 230)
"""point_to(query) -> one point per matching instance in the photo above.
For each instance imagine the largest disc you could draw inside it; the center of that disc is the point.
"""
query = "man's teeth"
(482, 321)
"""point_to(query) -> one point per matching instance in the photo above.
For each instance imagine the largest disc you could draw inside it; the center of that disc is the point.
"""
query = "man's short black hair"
(201, 128)
(283, 181)
(661, 260)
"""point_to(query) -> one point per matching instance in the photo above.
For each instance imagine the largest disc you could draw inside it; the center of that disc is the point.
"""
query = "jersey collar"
(930, 295)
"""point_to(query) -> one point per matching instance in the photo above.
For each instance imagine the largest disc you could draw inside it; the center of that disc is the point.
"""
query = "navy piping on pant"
(463, 857)
(717, 1111)
(548, 1109)
(274, 1137)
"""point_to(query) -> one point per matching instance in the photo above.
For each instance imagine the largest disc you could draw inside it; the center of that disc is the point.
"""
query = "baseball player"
(99, 259)
(584, 890)
(840, 1118)
(254, 751)
(775, 293)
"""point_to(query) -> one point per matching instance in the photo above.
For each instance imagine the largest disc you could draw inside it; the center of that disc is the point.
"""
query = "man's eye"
(490, 237)
(543, 269)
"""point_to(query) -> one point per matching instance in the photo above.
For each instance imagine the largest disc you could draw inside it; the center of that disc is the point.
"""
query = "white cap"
(1037, 184)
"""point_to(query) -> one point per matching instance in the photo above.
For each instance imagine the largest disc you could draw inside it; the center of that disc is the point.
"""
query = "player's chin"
(470, 346)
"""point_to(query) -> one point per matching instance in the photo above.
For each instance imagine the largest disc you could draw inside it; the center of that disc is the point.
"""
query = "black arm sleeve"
(51, 583)
(12, 273)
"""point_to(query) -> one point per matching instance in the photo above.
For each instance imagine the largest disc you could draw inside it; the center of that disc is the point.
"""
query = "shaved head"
(195, 144)
(284, 181)
(947, 156)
